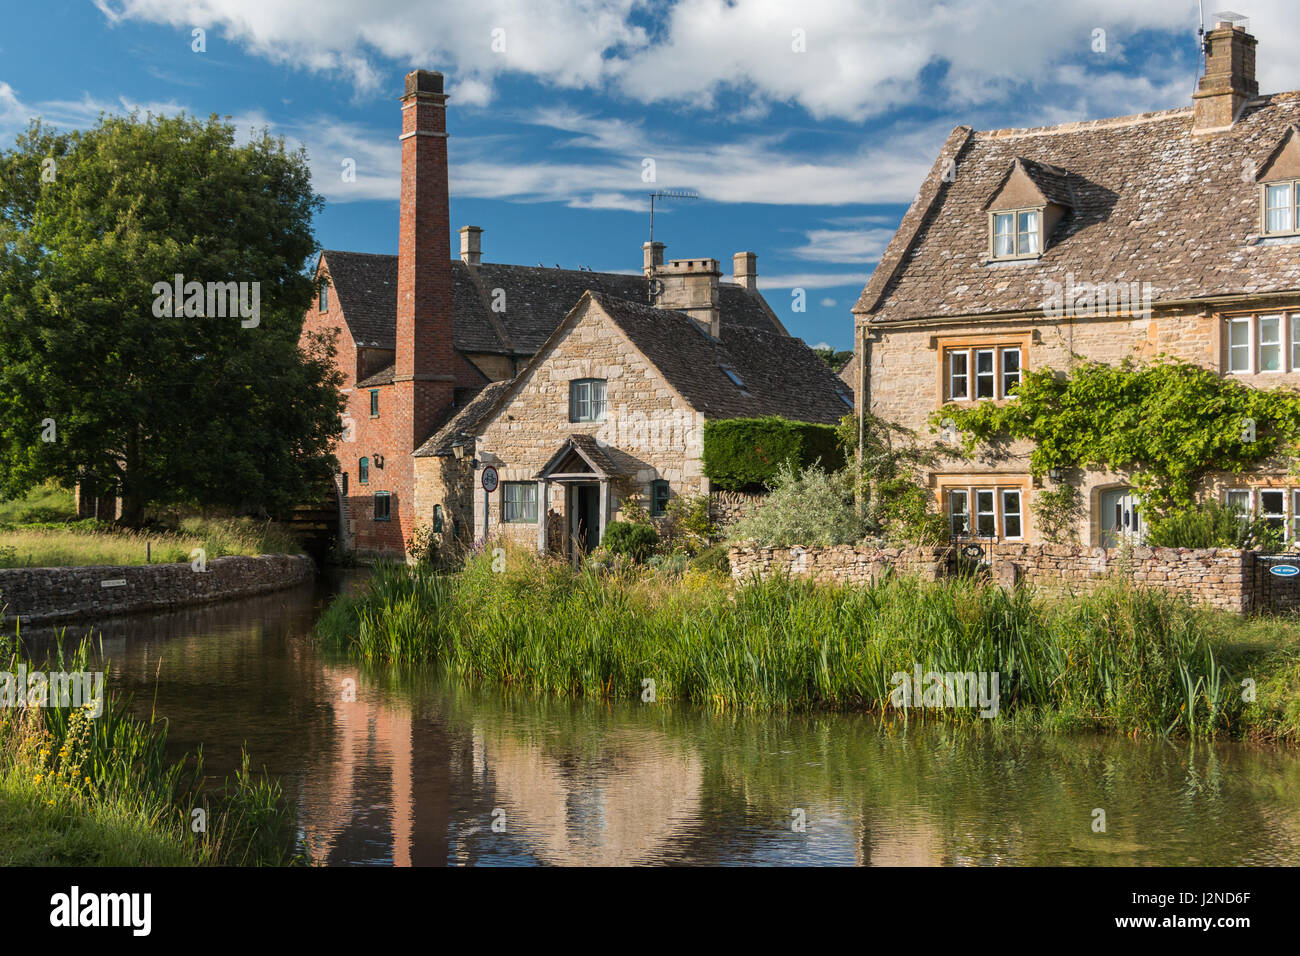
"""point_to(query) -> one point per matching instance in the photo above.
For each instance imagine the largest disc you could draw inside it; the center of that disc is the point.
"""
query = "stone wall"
(47, 595)
(842, 564)
(726, 506)
(1218, 577)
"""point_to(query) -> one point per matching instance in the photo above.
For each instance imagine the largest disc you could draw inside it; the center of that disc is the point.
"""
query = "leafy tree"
(890, 486)
(808, 507)
(836, 360)
(1167, 425)
(226, 412)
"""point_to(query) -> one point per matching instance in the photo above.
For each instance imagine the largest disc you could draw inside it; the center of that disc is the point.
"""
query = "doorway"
(584, 522)
(1121, 518)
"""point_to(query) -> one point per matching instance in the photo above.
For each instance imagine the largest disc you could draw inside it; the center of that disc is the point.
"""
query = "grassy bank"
(1125, 660)
(77, 790)
(87, 542)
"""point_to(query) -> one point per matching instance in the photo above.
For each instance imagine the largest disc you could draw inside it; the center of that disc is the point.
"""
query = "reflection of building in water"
(628, 803)
(907, 840)
(414, 789)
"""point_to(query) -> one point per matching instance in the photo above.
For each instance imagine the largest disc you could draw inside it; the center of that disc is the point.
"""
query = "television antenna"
(667, 194)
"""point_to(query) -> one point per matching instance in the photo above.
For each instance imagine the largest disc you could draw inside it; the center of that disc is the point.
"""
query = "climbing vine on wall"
(1167, 425)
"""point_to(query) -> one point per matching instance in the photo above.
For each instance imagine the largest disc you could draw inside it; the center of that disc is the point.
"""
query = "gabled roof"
(584, 448)
(780, 374)
(1051, 182)
(462, 418)
(536, 300)
(1154, 202)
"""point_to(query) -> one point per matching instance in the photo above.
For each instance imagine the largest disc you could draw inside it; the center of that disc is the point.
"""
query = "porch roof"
(576, 452)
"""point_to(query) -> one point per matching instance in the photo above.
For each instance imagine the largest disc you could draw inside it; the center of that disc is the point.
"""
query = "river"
(422, 770)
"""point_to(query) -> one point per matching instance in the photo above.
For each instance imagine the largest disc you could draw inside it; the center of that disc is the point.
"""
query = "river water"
(422, 770)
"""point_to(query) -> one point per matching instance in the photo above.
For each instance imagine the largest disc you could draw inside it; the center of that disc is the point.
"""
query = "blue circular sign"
(1284, 570)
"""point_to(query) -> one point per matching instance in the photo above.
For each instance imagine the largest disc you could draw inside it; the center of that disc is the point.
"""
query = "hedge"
(743, 454)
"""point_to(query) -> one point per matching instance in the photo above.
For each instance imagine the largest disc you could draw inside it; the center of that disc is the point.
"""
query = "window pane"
(1295, 515)
(598, 401)
(1239, 501)
(1028, 233)
(1010, 370)
(1280, 208)
(1272, 505)
(1295, 342)
(984, 373)
(1004, 238)
(1011, 514)
(1239, 345)
(985, 525)
(363, 470)
(1270, 343)
(959, 512)
(959, 386)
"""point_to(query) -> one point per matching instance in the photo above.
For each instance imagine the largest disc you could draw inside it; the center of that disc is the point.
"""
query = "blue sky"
(807, 156)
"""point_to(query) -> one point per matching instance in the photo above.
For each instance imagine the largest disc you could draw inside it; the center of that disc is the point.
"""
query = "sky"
(805, 127)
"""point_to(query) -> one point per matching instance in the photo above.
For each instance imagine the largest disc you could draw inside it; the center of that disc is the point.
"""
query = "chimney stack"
(691, 286)
(425, 360)
(1229, 80)
(744, 270)
(652, 254)
(471, 245)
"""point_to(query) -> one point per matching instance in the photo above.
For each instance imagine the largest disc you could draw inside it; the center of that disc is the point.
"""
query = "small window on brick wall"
(324, 297)
(382, 504)
(374, 403)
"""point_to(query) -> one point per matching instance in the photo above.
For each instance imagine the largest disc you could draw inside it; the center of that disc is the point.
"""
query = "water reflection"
(416, 769)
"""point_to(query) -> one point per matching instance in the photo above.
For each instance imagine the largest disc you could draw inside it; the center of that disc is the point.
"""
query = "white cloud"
(828, 303)
(811, 280)
(863, 57)
(845, 245)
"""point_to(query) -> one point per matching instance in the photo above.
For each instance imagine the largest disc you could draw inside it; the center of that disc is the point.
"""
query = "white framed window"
(1011, 513)
(1010, 370)
(986, 521)
(1270, 343)
(959, 511)
(587, 400)
(1295, 514)
(1241, 501)
(997, 512)
(1239, 344)
(983, 372)
(1272, 507)
(1281, 214)
(985, 379)
(1017, 233)
(958, 375)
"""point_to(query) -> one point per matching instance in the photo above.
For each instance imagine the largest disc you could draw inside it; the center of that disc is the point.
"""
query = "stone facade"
(46, 595)
(649, 431)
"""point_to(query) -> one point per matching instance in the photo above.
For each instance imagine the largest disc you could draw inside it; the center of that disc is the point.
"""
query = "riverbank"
(84, 790)
(1123, 660)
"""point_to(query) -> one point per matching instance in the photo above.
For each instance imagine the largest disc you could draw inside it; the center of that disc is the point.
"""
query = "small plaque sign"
(113, 583)
(972, 551)
(489, 479)
(1284, 570)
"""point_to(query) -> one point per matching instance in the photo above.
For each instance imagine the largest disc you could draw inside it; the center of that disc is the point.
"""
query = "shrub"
(1058, 512)
(687, 525)
(810, 507)
(712, 558)
(745, 454)
(636, 541)
(1211, 525)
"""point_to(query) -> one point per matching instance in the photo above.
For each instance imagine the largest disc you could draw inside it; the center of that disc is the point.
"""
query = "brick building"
(1171, 233)
(428, 345)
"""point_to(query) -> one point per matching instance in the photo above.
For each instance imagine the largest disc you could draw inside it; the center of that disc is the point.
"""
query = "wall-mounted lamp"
(377, 459)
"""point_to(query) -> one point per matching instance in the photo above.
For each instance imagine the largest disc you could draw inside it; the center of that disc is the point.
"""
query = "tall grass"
(1124, 659)
(104, 790)
(91, 542)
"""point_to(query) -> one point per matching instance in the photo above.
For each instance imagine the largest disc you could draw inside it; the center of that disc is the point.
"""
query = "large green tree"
(190, 409)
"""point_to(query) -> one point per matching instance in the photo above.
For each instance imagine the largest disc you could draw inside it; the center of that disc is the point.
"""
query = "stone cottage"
(1175, 233)
(610, 411)
(426, 343)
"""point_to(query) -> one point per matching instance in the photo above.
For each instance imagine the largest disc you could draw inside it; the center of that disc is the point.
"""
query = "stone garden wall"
(49, 595)
(1219, 577)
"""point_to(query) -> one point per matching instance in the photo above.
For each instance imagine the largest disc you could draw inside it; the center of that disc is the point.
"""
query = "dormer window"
(1282, 208)
(1017, 233)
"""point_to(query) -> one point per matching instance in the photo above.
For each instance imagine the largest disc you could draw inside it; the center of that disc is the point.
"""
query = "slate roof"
(536, 298)
(1151, 203)
(588, 448)
(470, 407)
(781, 375)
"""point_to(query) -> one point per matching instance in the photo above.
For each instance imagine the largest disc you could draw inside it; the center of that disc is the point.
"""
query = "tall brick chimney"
(1229, 80)
(425, 363)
